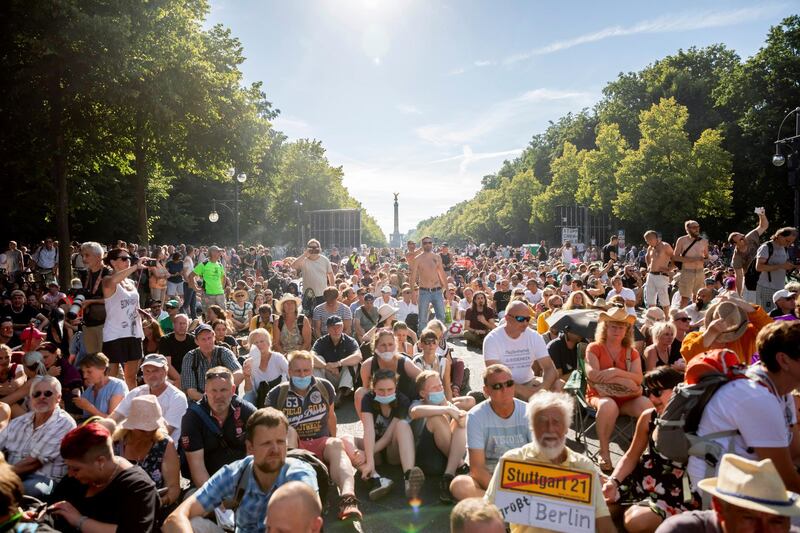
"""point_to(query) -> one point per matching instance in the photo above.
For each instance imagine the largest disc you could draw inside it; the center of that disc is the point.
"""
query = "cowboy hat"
(286, 298)
(600, 303)
(385, 311)
(145, 414)
(754, 485)
(734, 316)
(616, 314)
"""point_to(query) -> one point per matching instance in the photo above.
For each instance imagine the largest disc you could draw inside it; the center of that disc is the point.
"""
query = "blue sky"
(426, 97)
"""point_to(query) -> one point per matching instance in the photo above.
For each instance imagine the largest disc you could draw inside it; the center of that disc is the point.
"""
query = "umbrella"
(581, 322)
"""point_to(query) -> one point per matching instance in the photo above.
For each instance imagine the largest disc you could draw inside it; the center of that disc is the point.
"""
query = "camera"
(150, 263)
(76, 306)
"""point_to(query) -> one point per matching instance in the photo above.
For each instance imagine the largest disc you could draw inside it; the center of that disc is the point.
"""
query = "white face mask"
(386, 356)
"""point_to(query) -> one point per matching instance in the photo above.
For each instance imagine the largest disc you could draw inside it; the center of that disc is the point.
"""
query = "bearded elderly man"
(550, 416)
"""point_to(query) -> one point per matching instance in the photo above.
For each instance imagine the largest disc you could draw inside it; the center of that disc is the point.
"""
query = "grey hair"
(93, 247)
(661, 327)
(545, 400)
(50, 380)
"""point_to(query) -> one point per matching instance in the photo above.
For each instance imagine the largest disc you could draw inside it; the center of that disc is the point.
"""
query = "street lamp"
(792, 161)
(299, 205)
(213, 216)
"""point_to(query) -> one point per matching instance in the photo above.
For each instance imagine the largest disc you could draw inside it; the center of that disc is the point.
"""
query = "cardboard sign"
(569, 234)
(546, 495)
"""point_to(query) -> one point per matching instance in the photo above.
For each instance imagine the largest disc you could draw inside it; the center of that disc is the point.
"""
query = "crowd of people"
(183, 388)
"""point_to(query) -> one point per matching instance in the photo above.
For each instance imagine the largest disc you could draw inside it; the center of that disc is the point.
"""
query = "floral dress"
(657, 482)
(152, 462)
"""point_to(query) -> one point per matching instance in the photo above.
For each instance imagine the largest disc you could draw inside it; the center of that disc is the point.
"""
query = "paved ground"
(393, 513)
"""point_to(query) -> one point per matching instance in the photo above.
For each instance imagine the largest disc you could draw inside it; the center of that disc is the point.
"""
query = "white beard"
(552, 451)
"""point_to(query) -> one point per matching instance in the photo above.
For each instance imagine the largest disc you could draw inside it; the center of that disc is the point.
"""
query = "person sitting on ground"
(31, 441)
(517, 346)
(330, 306)
(263, 368)
(223, 337)
(207, 355)
(262, 318)
(12, 375)
(170, 398)
(402, 334)
(430, 360)
(479, 320)
(746, 496)
(474, 515)
(294, 508)
(142, 439)
(292, 329)
(384, 413)
(102, 492)
(550, 416)
(69, 376)
(614, 373)
(174, 346)
(307, 402)
(760, 412)
(439, 425)
(563, 350)
(210, 447)
(103, 393)
(643, 475)
(336, 357)
(241, 311)
(660, 352)
(493, 427)
(784, 303)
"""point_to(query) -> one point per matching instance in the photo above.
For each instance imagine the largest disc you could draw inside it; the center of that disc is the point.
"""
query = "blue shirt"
(100, 399)
(494, 435)
(252, 511)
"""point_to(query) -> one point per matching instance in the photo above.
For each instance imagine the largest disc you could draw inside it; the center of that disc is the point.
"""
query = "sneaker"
(444, 489)
(348, 508)
(379, 487)
(462, 470)
(415, 478)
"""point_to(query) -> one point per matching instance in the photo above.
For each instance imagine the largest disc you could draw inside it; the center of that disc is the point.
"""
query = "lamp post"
(299, 205)
(792, 161)
(213, 216)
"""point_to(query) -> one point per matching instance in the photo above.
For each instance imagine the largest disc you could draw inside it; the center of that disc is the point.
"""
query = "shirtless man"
(692, 250)
(427, 273)
(657, 258)
(411, 253)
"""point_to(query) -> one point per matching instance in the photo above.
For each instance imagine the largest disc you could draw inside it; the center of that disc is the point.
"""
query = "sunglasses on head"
(503, 384)
(656, 392)
(214, 375)
(521, 318)
(46, 393)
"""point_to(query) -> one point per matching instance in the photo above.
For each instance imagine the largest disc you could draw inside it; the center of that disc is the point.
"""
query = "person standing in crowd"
(45, 261)
(212, 273)
(744, 253)
(427, 275)
(122, 329)
(691, 252)
(658, 257)
(316, 272)
(772, 261)
(189, 294)
(517, 346)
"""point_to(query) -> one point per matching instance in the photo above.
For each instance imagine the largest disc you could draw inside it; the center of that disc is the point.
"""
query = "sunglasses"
(653, 392)
(521, 318)
(46, 393)
(214, 375)
(429, 341)
(123, 258)
(684, 319)
(503, 384)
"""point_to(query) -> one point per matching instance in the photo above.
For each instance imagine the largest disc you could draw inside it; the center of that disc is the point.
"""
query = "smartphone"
(150, 262)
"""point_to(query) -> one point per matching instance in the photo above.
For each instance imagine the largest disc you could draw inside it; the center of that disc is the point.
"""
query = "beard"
(551, 445)
(700, 304)
(270, 465)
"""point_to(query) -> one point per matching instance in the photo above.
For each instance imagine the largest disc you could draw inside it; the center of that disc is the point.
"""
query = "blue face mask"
(436, 397)
(385, 399)
(301, 383)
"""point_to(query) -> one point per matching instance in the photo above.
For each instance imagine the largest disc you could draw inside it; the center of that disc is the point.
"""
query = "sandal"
(605, 465)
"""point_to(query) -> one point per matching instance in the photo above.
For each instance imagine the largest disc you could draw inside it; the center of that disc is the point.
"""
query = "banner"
(546, 495)
(569, 234)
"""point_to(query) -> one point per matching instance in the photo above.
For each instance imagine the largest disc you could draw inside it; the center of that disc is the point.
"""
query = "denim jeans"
(426, 298)
(189, 301)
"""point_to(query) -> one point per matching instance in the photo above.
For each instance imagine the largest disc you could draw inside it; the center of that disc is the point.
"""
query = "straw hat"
(385, 311)
(145, 414)
(734, 316)
(752, 485)
(600, 303)
(617, 314)
(286, 298)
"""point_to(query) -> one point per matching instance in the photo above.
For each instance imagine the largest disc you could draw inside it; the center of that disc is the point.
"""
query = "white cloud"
(483, 63)
(293, 127)
(408, 109)
(468, 157)
(502, 114)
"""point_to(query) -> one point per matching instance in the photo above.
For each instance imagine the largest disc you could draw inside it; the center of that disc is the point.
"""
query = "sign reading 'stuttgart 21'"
(546, 496)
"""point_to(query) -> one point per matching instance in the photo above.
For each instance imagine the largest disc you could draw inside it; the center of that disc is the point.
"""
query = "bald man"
(474, 515)
(294, 508)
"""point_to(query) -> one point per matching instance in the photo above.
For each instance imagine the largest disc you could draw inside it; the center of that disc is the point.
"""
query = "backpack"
(301, 321)
(751, 275)
(675, 435)
(323, 478)
(210, 424)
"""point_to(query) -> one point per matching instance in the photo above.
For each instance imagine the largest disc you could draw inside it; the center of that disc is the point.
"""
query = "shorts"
(123, 350)
(315, 446)
(93, 338)
(429, 457)
(174, 288)
(690, 282)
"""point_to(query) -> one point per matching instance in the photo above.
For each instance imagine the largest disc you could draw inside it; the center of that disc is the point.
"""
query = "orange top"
(606, 361)
(744, 346)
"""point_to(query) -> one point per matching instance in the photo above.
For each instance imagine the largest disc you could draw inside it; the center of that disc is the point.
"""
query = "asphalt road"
(393, 513)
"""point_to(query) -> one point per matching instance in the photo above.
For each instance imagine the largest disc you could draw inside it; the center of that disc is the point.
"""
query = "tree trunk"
(58, 172)
(140, 182)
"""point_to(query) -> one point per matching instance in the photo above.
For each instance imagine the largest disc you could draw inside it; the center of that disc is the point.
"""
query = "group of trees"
(690, 136)
(121, 120)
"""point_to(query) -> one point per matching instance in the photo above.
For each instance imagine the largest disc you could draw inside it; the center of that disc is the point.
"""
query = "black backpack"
(751, 275)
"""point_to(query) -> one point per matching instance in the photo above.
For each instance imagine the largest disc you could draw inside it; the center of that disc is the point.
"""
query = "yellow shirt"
(529, 452)
(541, 323)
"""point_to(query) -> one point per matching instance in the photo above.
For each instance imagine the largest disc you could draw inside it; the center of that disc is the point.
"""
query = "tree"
(562, 189)
(597, 187)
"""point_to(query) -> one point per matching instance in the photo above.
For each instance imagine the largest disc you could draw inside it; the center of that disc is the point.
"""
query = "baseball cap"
(213, 248)
(783, 293)
(154, 359)
(172, 304)
(201, 328)
(386, 289)
(334, 320)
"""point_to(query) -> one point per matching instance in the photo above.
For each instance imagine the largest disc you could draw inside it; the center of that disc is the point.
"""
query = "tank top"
(291, 339)
(405, 384)
(122, 315)
(438, 366)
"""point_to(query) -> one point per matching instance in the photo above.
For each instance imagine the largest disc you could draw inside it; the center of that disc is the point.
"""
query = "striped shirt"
(195, 365)
(20, 440)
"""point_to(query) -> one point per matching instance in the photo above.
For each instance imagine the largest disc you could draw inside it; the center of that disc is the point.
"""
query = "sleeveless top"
(122, 315)
(291, 339)
(152, 461)
(405, 383)
(439, 366)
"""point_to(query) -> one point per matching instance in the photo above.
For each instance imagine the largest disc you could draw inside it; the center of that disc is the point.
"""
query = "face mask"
(436, 397)
(385, 399)
(301, 383)
(386, 356)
